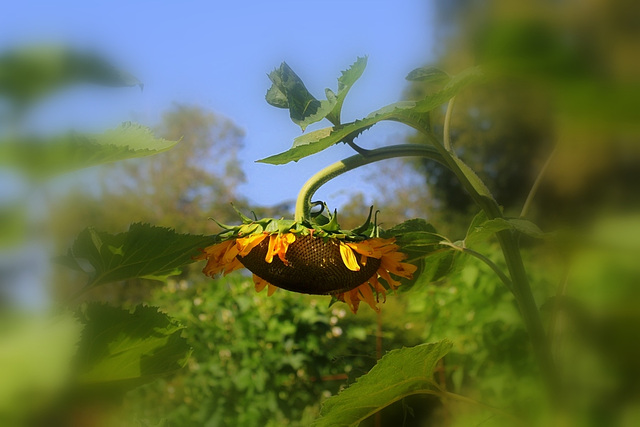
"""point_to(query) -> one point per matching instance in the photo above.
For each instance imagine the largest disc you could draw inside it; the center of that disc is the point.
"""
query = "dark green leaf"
(288, 90)
(416, 237)
(398, 374)
(29, 74)
(428, 74)
(321, 139)
(44, 158)
(144, 251)
(440, 264)
(421, 243)
(128, 348)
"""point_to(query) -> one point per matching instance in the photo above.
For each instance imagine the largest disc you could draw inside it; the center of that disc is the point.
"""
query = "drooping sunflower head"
(312, 257)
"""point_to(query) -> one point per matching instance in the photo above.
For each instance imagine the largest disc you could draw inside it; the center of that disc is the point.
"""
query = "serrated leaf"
(321, 139)
(428, 75)
(44, 158)
(454, 85)
(345, 82)
(143, 251)
(398, 374)
(478, 185)
(288, 91)
(30, 73)
(128, 348)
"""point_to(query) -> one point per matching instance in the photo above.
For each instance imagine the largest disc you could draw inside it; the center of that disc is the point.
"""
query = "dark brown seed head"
(314, 267)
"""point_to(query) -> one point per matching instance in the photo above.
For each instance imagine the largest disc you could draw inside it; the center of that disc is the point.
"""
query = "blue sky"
(217, 54)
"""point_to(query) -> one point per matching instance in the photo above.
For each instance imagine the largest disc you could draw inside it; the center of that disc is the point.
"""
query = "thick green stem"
(521, 288)
(303, 203)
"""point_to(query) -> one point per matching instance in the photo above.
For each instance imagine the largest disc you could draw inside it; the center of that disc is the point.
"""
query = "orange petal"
(246, 244)
(385, 275)
(233, 266)
(378, 288)
(259, 282)
(366, 295)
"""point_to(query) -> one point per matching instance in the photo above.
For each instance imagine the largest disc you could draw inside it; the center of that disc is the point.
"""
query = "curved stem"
(507, 282)
(446, 136)
(536, 184)
(303, 202)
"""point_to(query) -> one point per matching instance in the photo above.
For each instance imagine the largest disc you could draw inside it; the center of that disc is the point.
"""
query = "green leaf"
(440, 264)
(421, 243)
(345, 82)
(526, 227)
(478, 185)
(398, 374)
(144, 251)
(481, 228)
(416, 237)
(321, 139)
(428, 74)
(288, 91)
(128, 348)
(30, 73)
(454, 85)
(44, 158)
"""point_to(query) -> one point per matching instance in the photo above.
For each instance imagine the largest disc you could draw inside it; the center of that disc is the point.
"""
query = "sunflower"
(310, 258)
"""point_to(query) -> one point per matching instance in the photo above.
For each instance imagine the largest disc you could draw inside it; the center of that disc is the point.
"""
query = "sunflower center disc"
(314, 267)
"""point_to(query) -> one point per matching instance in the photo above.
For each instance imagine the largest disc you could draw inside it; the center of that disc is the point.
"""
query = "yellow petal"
(348, 257)
(270, 251)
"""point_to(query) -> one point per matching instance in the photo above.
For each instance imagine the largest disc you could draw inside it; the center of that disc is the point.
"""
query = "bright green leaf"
(482, 229)
(428, 74)
(345, 82)
(143, 251)
(321, 139)
(44, 158)
(526, 227)
(36, 356)
(455, 85)
(30, 73)
(128, 348)
(398, 374)
(477, 184)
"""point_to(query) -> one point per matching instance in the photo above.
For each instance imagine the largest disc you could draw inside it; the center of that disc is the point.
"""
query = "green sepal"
(332, 225)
